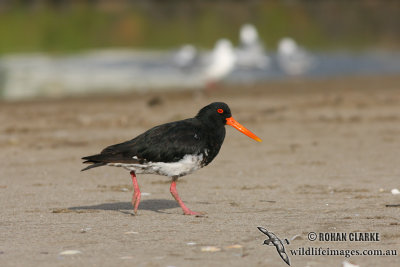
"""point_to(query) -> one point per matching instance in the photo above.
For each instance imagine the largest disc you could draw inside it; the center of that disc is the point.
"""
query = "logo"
(273, 240)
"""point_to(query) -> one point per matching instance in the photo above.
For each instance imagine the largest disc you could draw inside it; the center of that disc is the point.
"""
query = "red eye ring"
(220, 110)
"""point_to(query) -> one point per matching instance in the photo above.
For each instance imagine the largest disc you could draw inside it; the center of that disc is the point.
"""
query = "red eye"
(220, 110)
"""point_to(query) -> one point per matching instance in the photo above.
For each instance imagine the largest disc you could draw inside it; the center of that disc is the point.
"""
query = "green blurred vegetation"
(69, 26)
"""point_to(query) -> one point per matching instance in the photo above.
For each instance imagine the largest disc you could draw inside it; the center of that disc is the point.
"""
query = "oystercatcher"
(173, 149)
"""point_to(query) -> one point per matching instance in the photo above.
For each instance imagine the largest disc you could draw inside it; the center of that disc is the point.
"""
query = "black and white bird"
(173, 149)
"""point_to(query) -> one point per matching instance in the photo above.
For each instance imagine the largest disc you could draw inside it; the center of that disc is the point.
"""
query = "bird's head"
(218, 114)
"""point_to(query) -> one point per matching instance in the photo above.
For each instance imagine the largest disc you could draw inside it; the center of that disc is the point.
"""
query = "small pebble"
(234, 246)
(145, 194)
(126, 258)
(210, 249)
(70, 252)
(131, 233)
(395, 191)
(348, 264)
(84, 230)
(381, 190)
(191, 243)
(296, 237)
(155, 101)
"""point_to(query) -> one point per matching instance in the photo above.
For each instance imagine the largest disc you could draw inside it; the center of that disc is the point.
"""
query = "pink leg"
(136, 193)
(185, 209)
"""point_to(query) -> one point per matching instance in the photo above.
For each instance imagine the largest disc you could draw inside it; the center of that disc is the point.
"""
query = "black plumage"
(170, 142)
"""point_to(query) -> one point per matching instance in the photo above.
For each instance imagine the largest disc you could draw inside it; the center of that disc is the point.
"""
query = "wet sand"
(328, 161)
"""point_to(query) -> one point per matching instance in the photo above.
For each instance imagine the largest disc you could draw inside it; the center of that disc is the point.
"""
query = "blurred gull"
(251, 52)
(292, 59)
(220, 62)
(186, 57)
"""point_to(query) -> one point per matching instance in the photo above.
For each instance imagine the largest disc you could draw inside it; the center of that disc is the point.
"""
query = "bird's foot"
(197, 214)
(186, 210)
(136, 201)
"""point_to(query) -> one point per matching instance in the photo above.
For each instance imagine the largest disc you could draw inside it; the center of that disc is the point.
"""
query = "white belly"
(185, 166)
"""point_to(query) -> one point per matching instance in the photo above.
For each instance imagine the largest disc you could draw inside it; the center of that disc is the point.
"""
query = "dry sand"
(329, 158)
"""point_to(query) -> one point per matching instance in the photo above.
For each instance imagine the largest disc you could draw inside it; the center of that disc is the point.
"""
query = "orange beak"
(232, 122)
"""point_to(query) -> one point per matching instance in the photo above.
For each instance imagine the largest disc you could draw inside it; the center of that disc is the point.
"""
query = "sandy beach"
(327, 164)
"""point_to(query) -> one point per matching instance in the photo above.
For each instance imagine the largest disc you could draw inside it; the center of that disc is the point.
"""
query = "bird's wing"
(165, 143)
(264, 231)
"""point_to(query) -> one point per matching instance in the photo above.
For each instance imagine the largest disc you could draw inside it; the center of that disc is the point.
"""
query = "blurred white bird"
(251, 52)
(292, 59)
(186, 57)
(220, 62)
